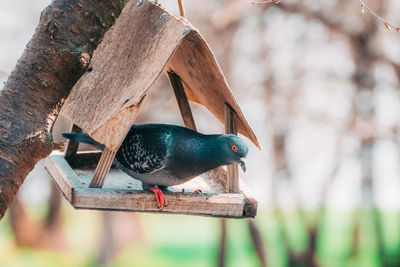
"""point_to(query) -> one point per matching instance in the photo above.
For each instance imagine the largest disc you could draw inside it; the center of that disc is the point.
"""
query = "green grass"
(173, 240)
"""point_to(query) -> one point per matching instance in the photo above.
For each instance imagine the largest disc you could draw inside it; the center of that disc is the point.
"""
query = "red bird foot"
(198, 191)
(161, 200)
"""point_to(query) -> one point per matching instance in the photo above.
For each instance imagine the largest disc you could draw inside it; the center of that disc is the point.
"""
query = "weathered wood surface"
(133, 53)
(232, 182)
(102, 169)
(121, 192)
(58, 167)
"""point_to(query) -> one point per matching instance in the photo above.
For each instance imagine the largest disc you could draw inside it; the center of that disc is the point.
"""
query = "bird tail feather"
(83, 138)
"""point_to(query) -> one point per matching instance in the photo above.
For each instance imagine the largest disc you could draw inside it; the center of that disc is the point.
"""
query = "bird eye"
(234, 148)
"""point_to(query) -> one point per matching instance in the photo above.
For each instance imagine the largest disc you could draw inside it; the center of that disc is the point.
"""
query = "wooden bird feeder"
(145, 41)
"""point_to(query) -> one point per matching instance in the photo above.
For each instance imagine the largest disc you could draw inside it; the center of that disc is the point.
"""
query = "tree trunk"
(54, 59)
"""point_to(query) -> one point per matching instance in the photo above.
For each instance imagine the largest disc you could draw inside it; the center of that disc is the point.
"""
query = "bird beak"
(243, 164)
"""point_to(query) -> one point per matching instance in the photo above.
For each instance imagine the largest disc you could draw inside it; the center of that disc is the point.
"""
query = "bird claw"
(161, 200)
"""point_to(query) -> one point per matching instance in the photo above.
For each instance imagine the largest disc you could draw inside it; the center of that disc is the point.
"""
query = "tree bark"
(54, 59)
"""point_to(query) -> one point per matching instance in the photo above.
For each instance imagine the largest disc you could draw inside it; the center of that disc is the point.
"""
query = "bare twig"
(266, 2)
(387, 24)
(364, 7)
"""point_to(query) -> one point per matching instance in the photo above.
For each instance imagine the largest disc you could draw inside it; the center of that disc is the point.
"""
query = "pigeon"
(161, 155)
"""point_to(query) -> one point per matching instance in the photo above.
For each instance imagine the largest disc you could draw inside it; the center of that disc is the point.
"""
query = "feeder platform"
(121, 192)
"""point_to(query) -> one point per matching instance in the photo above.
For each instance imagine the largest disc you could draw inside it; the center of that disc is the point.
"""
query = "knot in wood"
(84, 59)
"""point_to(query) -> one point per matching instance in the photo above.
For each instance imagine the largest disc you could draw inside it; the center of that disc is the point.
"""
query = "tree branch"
(52, 62)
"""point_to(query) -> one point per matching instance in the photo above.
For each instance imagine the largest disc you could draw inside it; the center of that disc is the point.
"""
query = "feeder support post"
(232, 181)
(182, 100)
(72, 146)
(103, 167)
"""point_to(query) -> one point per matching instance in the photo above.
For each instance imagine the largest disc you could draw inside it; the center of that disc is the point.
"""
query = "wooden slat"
(182, 100)
(103, 167)
(232, 184)
(72, 146)
(124, 193)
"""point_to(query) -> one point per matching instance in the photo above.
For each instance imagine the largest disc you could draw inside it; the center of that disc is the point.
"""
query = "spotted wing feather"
(141, 153)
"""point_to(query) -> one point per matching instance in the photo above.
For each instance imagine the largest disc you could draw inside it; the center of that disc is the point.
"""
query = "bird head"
(235, 150)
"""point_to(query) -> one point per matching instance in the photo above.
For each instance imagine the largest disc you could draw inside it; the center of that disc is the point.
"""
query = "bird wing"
(143, 153)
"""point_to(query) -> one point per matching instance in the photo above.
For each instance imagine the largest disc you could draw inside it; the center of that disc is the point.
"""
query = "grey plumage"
(164, 155)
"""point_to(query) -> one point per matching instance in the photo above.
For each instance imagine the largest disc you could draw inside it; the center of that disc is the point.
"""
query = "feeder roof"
(143, 42)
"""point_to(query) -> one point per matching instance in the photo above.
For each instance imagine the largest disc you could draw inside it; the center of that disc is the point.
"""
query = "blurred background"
(318, 82)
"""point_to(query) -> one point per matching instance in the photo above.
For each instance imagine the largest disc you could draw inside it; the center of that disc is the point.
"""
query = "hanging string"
(181, 11)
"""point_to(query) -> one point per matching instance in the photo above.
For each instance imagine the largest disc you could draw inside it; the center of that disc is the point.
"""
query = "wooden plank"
(114, 131)
(62, 174)
(232, 185)
(59, 178)
(102, 169)
(72, 146)
(182, 100)
(226, 205)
